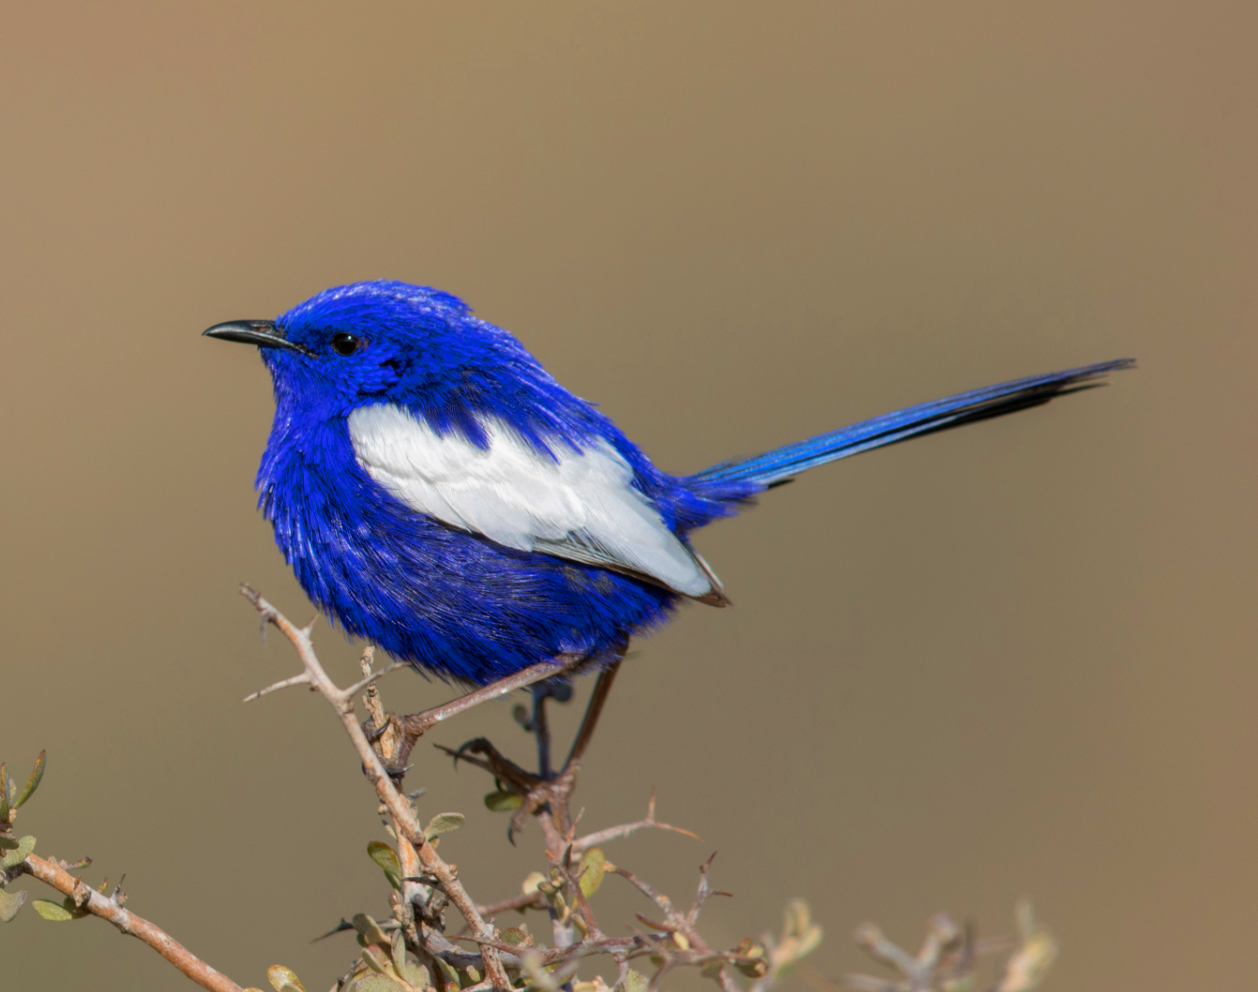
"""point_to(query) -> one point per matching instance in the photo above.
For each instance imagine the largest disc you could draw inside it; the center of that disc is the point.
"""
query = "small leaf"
(443, 823)
(592, 871)
(532, 880)
(398, 952)
(370, 930)
(10, 904)
(451, 977)
(515, 937)
(53, 911)
(376, 961)
(413, 972)
(283, 979)
(8, 844)
(377, 983)
(636, 982)
(4, 796)
(17, 855)
(503, 802)
(10, 792)
(387, 859)
(32, 783)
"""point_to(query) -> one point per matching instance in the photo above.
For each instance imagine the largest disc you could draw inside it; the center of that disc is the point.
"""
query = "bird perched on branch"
(441, 495)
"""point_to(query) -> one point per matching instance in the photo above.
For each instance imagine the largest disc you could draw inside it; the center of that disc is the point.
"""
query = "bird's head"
(372, 341)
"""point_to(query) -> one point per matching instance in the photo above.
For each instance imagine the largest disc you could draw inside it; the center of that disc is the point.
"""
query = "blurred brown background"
(1017, 658)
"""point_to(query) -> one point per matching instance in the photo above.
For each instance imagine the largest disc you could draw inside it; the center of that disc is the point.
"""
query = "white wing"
(580, 506)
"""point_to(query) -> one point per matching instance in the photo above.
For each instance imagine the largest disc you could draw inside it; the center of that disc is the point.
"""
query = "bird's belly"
(458, 605)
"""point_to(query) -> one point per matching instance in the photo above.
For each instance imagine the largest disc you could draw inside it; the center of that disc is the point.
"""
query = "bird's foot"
(533, 791)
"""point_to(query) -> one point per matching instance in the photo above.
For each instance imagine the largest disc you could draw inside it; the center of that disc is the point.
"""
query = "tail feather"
(782, 464)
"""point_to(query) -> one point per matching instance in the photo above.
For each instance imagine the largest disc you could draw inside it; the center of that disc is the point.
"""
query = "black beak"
(263, 333)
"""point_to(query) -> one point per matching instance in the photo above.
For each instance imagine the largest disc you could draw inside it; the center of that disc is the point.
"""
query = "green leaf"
(4, 796)
(32, 783)
(10, 904)
(406, 965)
(377, 983)
(369, 930)
(376, 961)
(10, 792)
(591, 871)
(53, 911)
(636, 982)
(8, 844)
(514, 936)
(18, 854)
(284, 979)
(443, 823)
(503, 802)
(387, 859)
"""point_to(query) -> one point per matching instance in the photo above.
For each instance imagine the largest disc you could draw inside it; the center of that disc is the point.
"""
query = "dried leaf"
(443, 823)
(1030, 962)
(32, 783)
(53, 911)
(636, 982)
(11, 904)
(18, 854)
(592, 871)
(503, 802)
(284, 979)
(531, 881)
(387, 859)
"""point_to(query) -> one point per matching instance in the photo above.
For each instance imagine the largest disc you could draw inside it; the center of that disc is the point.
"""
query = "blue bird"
(443, 497)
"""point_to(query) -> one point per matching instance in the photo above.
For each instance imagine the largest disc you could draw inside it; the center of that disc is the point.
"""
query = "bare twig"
(111, 909)
(370, 679)
(302, 679)
(529, 900)
(399, 807)
(583, 844)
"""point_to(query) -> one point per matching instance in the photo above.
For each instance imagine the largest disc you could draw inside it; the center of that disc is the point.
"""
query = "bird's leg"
(560, 692)
(541, 730)
(566, 781)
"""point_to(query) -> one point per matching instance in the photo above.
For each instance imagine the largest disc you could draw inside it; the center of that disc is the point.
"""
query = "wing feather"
(576, 505)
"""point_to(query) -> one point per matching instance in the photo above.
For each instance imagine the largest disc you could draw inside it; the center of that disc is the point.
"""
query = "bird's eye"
(346, 344)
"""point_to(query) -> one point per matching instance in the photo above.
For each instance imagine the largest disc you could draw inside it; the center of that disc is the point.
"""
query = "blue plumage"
(439, 494)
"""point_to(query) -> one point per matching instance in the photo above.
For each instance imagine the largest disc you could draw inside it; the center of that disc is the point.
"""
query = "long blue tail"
(782, 464)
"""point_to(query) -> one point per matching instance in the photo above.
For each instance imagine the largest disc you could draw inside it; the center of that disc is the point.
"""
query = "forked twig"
(583, 844)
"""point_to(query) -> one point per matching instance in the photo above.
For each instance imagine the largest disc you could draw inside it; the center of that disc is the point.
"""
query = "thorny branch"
(383, 742)
(110, 908)
(412, 952)
(342, 703)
